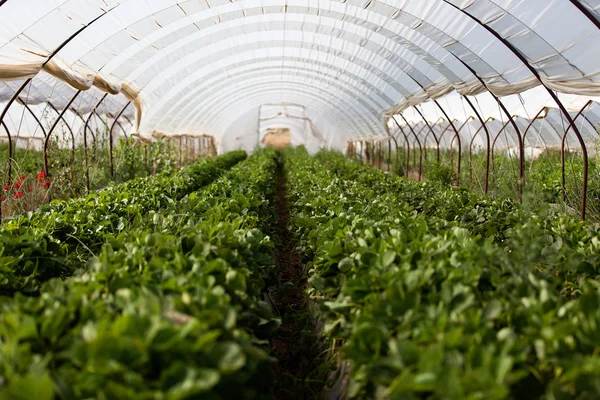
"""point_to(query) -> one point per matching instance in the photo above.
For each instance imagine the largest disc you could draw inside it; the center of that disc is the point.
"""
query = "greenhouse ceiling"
(196, 66)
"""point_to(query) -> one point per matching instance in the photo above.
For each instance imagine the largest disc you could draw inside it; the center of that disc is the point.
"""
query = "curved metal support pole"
(24, 104)
(414, 152)
(105, 123)
(180, 151)
(61, 117)
(415, 147)
(363, 151)
(498, 136)
(521, 143)
(488, 142)
(124, 131)
(437, 141)
(586, 12)
(554, 96)
(456, 136)
(432, 132)
(10, 146)
(418, 142)
(24, 85)
(407, 148)
(446, 129)
(397, 155)
(54, 125)
(537, 116)
(475, 136)
(110, 141)
(493, 158)
(389, 155)
(85, 147)
(562, 149)
(9, 164)
(381, 155)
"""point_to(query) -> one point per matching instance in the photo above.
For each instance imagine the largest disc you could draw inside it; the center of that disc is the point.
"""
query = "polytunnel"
(234, 199)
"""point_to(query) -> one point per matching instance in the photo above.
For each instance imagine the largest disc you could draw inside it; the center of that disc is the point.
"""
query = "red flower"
(46, 183)
(29, 189)
(3, 198)
(17, 185)
(7, 188)
(18, 195)
(41, 176)
(22, 177)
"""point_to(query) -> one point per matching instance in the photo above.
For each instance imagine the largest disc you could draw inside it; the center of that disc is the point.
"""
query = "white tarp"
(193, 66)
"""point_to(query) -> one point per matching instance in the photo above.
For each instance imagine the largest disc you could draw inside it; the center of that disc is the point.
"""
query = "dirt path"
(301, 369)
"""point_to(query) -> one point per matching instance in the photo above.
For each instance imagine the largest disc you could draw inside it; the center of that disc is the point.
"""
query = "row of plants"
(169, 308)
(568, 250)
(543, 180)
(427, 305)
(54, 240)
(67, 167)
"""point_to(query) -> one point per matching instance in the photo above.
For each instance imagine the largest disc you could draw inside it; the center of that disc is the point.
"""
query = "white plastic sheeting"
(195, 66)
(542, 123)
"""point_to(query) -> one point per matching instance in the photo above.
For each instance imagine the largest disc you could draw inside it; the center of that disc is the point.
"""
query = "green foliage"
(53, 241)
(169, 307)
(543, 180)
(436, 292)
(441, 174)
(130, 162)
(67, 168)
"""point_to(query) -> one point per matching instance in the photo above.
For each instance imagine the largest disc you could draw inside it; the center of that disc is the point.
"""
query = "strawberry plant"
(57, 239)
(429, 306)
(170, 307)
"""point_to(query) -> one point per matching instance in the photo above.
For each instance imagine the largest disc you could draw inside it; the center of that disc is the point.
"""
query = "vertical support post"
(407, 149)
(562, 149)
(10, 144)
(61, 117)
(494, 161)
(431, 131)
(180, 151)
(418, 142)
(554, 96)
(456, 135)
(389, 155)
(471, 148)
(110, 141)
(487, 134)
(85, 143)
(54, 125)
(146, 155)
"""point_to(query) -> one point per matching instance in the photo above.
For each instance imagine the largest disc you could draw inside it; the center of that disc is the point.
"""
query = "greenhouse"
(299, 199)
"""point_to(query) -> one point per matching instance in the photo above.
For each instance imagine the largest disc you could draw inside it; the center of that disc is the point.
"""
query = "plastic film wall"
(201, 66)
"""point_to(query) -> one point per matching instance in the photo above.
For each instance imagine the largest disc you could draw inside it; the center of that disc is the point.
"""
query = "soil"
(301, 369)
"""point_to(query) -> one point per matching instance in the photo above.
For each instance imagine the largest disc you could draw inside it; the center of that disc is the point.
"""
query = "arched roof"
(190, 65)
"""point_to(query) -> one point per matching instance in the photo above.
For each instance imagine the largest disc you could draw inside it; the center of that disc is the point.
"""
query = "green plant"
(441, 174)
(435, 303)
(64, 232)
(169, 306)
